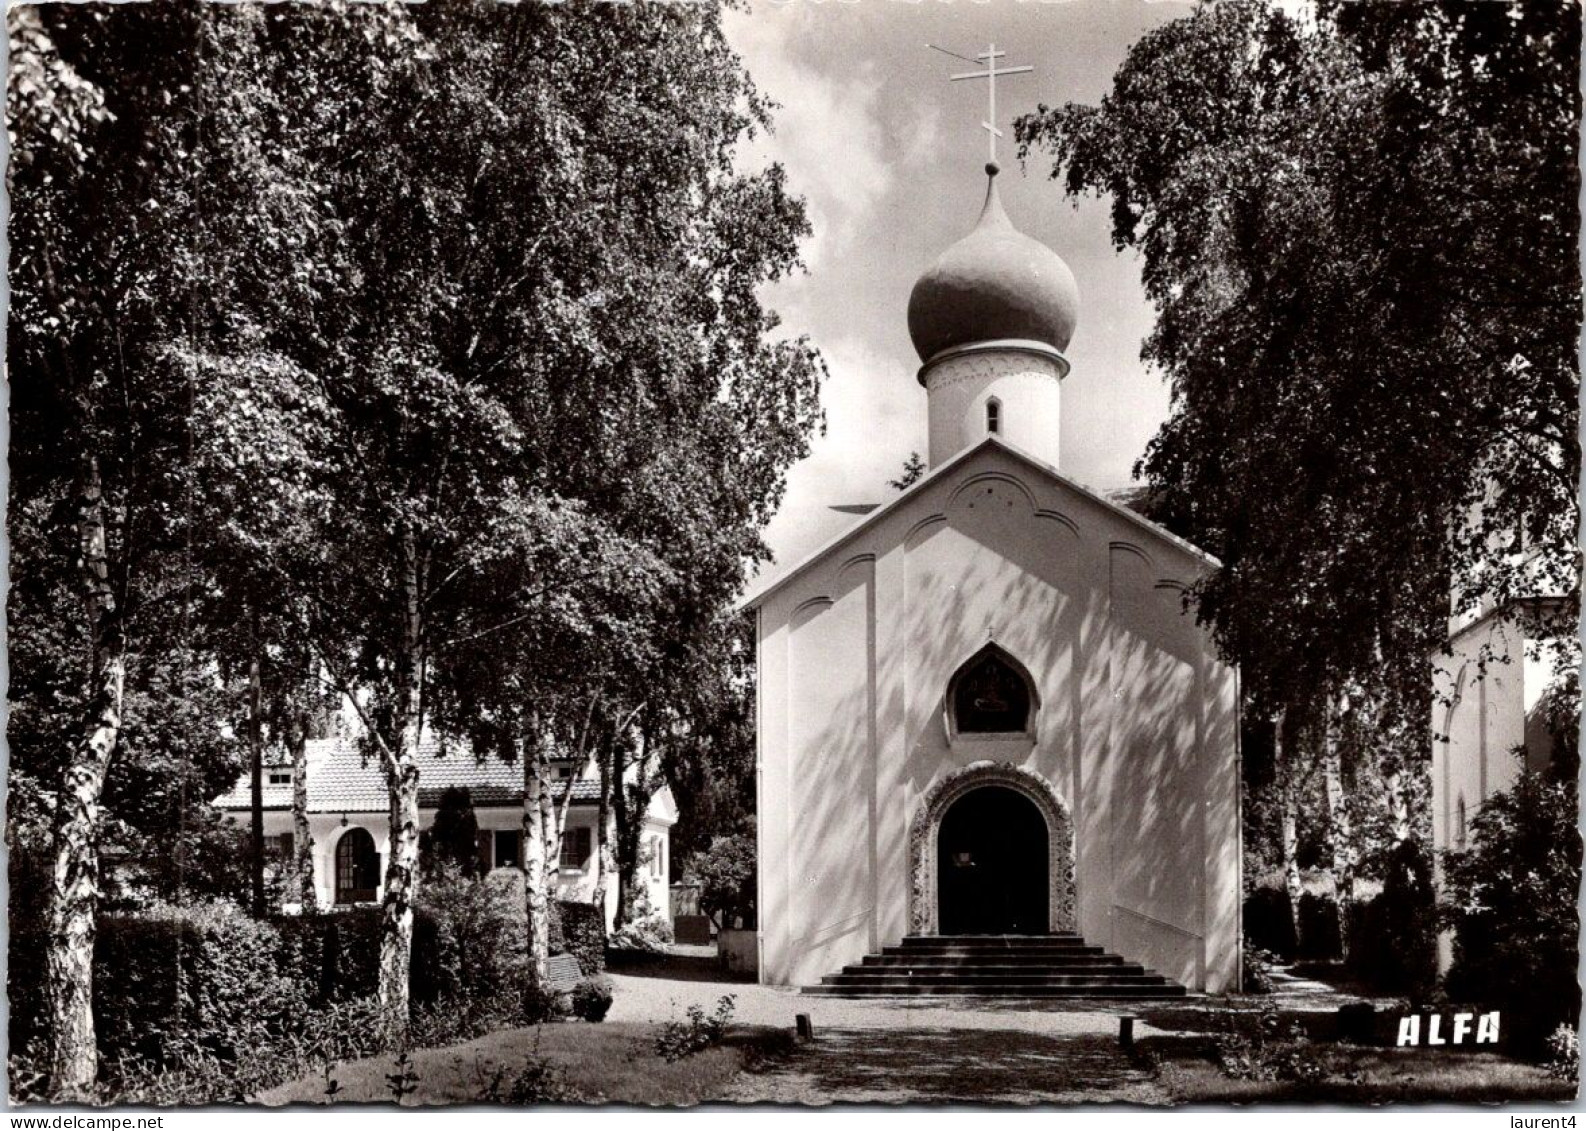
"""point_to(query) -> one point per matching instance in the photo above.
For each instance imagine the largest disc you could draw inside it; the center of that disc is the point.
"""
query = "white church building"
(984, 714)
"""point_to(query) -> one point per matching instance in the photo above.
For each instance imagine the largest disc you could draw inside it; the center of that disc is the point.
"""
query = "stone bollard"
(1126, 1033)
(806, 1031)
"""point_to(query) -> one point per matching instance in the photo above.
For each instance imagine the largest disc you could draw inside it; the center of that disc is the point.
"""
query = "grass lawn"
(607, 1063)
(1358, 1074)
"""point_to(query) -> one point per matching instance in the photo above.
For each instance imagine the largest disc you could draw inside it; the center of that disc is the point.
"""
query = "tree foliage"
(413, 350)
(727, 876)
(1360, 241)
(1513, 906)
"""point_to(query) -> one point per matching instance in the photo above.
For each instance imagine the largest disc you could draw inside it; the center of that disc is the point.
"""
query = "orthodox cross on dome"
(990, 74)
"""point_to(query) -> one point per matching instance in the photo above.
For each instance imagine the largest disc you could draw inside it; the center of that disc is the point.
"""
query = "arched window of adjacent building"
(1460, 827)
(990, 694)
(993, 415)
(357, 867)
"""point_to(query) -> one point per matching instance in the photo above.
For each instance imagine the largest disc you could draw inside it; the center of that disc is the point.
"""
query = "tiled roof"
(340, 781)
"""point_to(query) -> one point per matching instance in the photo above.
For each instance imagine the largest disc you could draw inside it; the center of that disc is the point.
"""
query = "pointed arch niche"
(990, 696)
(924, 830)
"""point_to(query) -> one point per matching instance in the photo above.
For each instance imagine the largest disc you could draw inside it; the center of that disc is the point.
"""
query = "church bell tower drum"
(991, 320)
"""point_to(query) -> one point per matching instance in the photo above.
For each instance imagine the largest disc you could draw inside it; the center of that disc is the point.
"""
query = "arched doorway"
(992, 860)
(357, 867)
(926, 853)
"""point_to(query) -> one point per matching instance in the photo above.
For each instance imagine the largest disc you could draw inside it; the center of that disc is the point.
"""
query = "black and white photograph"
(793, 554)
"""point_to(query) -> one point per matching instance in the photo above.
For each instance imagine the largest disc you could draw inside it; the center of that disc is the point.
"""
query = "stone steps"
(996, 966)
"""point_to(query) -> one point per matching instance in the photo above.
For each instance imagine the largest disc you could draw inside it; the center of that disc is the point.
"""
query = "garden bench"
(562, 973)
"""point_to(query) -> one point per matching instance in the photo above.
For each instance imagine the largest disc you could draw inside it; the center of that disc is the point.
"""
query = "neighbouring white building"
(1488, 721)
(983, 709)
(349, 823)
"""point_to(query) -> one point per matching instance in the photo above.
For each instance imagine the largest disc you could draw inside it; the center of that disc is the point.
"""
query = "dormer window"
(994, 416)
(280, 777)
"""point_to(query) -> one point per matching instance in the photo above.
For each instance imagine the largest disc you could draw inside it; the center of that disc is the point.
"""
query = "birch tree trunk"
(623, 849)
(402, 783)
(1288, 787)
(1341, 829)
(256, 779)
(1398, 799)
(603, 856)
(551, 840)
(302, 840)
(632, 801)
(74, 885)
(401, 885)
(536, 905)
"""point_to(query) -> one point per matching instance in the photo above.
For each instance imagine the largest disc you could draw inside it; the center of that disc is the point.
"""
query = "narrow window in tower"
(993, 415)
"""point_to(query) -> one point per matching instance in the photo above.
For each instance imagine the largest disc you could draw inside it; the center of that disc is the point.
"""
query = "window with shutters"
(575, 847)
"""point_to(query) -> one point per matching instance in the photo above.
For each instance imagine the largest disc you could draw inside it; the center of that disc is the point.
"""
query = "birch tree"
(1359, 238)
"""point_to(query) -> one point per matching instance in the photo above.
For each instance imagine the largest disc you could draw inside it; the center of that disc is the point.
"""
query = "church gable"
(1003, 502)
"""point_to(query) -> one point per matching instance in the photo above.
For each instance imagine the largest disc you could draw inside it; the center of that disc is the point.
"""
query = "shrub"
(452, 840)
(541, 1082)
(335, 953)
(1512, 905)
(200, 1004)
(480, 933)
(649, 935)
(1258, 970)
(1258, 1046)
(725, 873)
(679, 1039)
(1320, 936)
(1393, 937)
(591, 999)
(1562, 1059)
(1268, 925)
(556, 939)
(540, 1004)
(584, 935)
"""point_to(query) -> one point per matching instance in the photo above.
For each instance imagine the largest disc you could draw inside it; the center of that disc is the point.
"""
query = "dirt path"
(906, 1051)
(938, 1066)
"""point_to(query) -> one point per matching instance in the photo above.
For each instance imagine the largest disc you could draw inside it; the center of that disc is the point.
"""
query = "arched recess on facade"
(995, 671)
(927, 823)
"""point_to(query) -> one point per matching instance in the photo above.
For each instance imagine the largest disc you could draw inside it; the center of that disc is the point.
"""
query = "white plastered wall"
(1136, 733)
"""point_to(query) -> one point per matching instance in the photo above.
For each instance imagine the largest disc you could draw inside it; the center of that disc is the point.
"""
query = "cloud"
(875, 416)
(832, 132)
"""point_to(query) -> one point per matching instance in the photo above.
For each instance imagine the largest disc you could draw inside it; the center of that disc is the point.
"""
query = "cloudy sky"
(888, 155)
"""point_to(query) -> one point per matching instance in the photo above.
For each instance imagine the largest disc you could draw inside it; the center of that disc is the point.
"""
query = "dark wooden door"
(992, 865)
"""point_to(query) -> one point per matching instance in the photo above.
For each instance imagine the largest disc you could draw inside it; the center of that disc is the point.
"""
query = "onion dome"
(995, 284)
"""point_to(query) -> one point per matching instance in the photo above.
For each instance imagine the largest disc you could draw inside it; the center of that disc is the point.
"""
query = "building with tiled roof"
(348, 823)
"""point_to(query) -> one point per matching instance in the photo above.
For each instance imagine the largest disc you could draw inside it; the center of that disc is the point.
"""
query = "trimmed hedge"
(1320, 929)
(207, 978)
(1268, 924)
(583, 935)
(207, 984)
